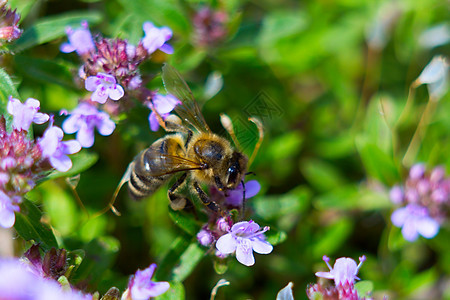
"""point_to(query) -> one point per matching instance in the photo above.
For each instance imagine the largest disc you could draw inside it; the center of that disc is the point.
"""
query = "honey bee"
(190, 149)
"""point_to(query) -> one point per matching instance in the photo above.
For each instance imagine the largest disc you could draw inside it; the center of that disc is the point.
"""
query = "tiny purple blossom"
(7, 208)
(80, 40)
(414, 220)
(56, 150)
(244, 238)
(141, 287)
(205, 237)
(104, 86)
(25, 113)
(396, 194)
(84, 119)
(163, 104)
(235, 196)
(344, 270)
(156, 38)
(417, 171)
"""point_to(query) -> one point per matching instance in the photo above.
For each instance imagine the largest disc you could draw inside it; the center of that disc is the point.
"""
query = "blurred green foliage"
(329, 94)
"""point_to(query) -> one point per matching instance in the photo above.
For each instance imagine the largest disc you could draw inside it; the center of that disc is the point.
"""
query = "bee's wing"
(189, 110)
(163, 164)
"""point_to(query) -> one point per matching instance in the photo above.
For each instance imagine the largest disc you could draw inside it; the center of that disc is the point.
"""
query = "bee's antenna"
(260, 127)
(228, 125)
(110, 205)
(243, 200)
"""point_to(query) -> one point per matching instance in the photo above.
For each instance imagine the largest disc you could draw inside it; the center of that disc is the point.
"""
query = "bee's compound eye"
(232, 174)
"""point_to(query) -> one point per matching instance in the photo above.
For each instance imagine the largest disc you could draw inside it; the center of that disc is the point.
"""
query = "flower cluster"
(9, 30)
(344, 274)
(241, 238)
(23, 161)
(20, 282)
(210, 26)
(110, 70)
(424, 200)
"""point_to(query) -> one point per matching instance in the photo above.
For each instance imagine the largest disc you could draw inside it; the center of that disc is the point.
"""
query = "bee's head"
(237, 166)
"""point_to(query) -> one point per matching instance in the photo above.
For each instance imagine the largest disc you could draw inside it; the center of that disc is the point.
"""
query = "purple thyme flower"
(19, 283)
(104, 86)
(7, 208)
(156, 38)
(414, 220)
(9, 31)
(234, 197)
(141, 287)
(205, 237)
(344, 270)
(80, 40)
(84, 119)
(56, 150)
(244, 238)
(25, 113)
(163, 104)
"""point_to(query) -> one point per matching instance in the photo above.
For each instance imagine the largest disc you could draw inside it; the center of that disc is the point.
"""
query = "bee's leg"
(178, 202)
(205, 199)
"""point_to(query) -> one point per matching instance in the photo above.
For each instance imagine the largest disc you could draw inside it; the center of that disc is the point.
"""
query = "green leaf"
(45, 71)
(29, 226)
(50, 28)
(181, 259)
(274, 206)
(322, 175)
(378, 164)
(364, 288)
(275, 237)
(350, 197)
(100, 256)
(162, 13)
(333, 238)
(7, 89)
(185, 221)
(82, 161)
(176, 292)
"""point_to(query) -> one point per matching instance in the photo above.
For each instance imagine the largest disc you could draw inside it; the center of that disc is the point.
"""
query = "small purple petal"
(396, 194)
(40, 118)
(154, 124)
(115, 92)
(226, 244)
(67, 48)
(428, 227)
(71, 124)
(105, 125)
(326, 275)
(244, 253)
(417, 171)
(409, 231)
(252, 188)
(100, 95)
(261, 247)
(399, 216)
(85, 136)
(61, 163)
(71, 147)
(166, 48)
(91, 83)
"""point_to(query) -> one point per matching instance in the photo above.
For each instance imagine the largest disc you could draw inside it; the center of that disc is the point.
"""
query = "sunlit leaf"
(175, 292)
(30, 227)
(50, 28)
(7, 89)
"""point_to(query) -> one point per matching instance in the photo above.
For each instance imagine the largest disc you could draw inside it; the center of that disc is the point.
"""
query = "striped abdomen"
(152, 168)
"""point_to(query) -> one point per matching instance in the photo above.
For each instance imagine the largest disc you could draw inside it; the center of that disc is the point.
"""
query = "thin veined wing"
(162, 164)
(189, 110)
